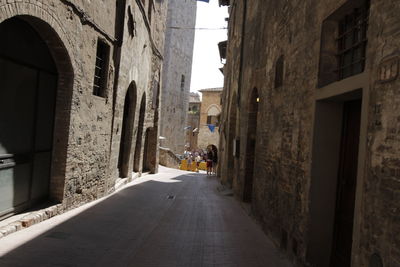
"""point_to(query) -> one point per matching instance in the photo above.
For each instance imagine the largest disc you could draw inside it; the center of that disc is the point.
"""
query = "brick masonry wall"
(282, 177)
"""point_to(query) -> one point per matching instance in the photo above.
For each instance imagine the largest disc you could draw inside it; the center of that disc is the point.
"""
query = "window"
(279, 72)
(213, 120)
(101, 69)
(149, 10)
(182, 82)
(343, 42)
(352, 42)
(131, 22)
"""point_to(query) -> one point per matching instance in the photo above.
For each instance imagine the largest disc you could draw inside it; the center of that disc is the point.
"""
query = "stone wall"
(168, 158)
(88, 127)
(191, 133)
(210, 98)
(179, 43)
(284, 180)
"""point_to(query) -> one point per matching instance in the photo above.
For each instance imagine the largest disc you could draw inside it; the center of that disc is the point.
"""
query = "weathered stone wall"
(86, 169)
(168, 158)
(283, 155)
(139, 71)
(230, 95)
(210, 98)
(179, 43)
(193, 120)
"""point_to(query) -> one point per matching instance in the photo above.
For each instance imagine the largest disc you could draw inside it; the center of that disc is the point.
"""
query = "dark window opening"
(213, 120)
(156, 91)
(101, 69)
(131, 22)
(279, 72)
(182, 82)
(150, 9)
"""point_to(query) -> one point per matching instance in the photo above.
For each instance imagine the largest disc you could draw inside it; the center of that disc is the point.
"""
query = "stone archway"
(139, 137)
(36, 88)
(127, 131)
(251, 145)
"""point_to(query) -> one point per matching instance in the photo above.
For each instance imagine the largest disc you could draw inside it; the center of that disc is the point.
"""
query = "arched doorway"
(251, 145)
(139, 137)
(231, 140)
(35, 88)
(127, 131)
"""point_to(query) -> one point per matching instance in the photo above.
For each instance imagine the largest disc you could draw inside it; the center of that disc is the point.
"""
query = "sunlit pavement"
(172, 219)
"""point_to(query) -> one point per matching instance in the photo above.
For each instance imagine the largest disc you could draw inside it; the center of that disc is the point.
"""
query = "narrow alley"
(173, 218)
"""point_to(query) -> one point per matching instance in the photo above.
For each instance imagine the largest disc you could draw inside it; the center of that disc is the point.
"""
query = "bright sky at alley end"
(206, 61)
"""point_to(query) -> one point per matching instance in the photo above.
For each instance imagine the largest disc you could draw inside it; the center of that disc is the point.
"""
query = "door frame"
(318, 253)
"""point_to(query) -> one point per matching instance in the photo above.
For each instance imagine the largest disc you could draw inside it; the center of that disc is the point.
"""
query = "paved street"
(172, 219)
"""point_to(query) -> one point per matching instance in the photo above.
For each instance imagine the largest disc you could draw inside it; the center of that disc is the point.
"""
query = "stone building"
(193, 121)
(310, 126)
(79, 98)
(179, 41)
(209, 117)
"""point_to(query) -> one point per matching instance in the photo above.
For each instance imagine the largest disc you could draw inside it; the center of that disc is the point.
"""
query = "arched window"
(213, 115)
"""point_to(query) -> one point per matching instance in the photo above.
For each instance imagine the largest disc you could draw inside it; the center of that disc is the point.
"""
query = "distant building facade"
(209, 117)
(310, 126)
(177, 70)
(79, 98)
(193, 122)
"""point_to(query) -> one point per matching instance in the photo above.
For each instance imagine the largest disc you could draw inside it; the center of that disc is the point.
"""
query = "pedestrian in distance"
(215, 161)
(209, 161)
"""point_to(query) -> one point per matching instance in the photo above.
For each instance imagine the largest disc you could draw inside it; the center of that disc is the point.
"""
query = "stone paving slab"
(172, 219)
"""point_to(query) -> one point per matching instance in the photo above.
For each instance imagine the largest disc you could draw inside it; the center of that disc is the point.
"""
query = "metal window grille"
(100, 73)
(352, 42)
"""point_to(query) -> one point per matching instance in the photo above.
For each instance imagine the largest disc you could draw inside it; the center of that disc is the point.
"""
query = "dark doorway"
(231, 140)
(333, 179)
(29, 77)
(346, 185)
(139, 137)
(251, 145)
(146, 166)
(127, 131)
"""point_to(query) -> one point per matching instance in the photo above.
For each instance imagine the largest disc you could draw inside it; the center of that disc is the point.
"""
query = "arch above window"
(213, 110)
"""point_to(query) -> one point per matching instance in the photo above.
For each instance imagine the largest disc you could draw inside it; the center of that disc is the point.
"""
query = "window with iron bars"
(352, 42)
(101, 69)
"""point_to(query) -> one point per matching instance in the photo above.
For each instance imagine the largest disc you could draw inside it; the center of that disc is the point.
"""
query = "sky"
(206, 60)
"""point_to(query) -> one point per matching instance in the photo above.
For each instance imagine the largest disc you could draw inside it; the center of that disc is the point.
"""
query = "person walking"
(209, 161)
(215, 161)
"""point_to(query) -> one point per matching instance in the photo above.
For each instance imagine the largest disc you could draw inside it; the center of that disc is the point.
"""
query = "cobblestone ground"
(172, 219)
